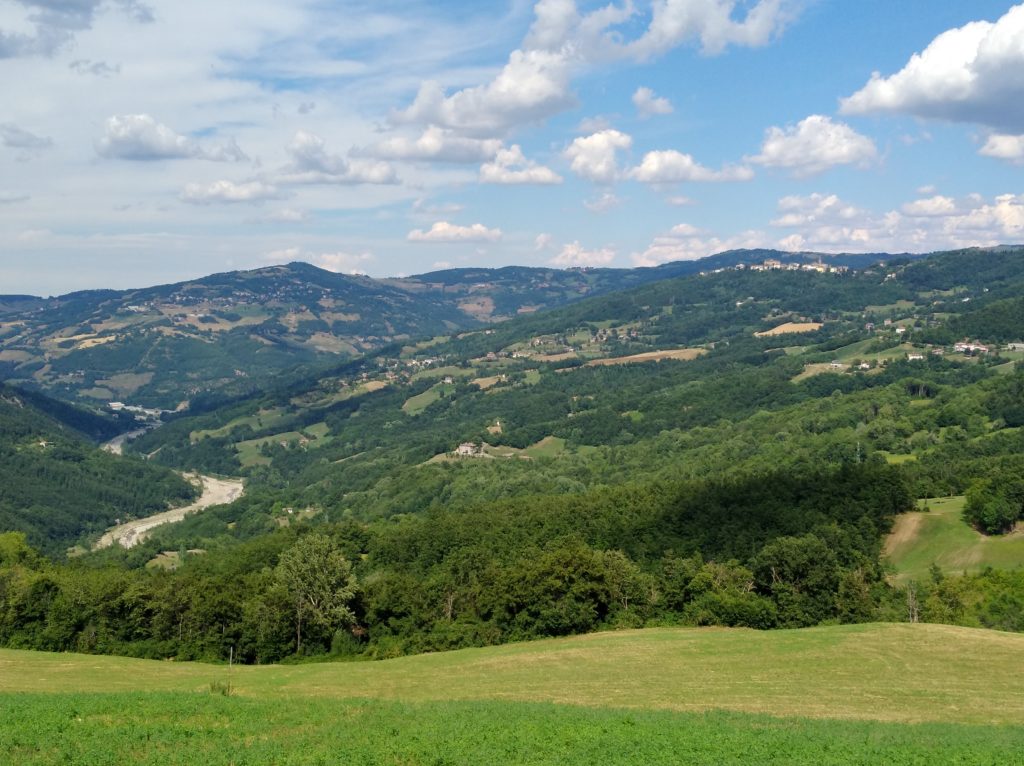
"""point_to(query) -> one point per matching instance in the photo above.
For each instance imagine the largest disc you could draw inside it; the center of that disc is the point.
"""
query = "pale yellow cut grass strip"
(789, 328)
(901, 672)
(682, 354)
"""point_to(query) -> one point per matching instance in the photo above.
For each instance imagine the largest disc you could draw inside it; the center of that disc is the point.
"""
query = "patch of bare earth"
(904, 533)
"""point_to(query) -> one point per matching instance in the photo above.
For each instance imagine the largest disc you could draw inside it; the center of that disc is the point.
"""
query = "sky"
(151, 141)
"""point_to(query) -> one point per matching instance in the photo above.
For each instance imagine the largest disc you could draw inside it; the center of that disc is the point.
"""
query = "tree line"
(763, 551)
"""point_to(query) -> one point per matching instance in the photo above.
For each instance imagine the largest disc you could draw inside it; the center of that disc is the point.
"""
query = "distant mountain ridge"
(159, 346)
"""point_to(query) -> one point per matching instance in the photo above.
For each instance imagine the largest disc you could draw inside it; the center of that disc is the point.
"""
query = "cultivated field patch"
(681, 354)
(789, 328)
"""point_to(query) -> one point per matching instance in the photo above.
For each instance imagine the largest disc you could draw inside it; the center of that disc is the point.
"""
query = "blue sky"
(147, 142)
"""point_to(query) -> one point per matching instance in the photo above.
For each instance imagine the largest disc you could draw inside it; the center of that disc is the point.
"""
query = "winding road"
(215, 492)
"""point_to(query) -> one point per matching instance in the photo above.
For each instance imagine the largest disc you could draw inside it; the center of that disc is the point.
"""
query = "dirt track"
(215, 492)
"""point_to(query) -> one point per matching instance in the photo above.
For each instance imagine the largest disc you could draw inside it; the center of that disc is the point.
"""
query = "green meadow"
(862, 694)
(941, 537)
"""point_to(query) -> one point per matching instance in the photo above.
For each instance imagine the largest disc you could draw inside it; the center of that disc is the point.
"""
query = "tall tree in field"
(319, 582)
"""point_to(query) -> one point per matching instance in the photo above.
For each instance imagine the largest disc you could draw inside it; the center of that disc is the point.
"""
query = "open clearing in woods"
(864, 694)
(940, 536)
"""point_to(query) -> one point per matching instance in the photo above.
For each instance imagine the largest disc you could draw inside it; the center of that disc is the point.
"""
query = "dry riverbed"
(215, 492)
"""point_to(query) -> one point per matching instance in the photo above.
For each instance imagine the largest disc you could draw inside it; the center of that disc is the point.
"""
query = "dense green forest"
(746, 478)
(761, 551)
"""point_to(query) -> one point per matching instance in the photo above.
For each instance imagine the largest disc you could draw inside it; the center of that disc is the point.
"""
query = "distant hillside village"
(773, 264)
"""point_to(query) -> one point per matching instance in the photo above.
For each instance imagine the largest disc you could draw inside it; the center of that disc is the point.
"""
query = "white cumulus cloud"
(1004, 147)
(228, 191)
(533, 85)
(715, 23)
(442, 231)
(342, 263)
(312, 163)
(967, 74)
(685, 242)
(814, 145)
(930, 206)
(796, 210)
(140, 137)
(670, 166)
(823, 222)
(574, 254)
(648, 105)
(511, 167)
(602, 204)
(436, 144)
(563, 42)
(594, 157)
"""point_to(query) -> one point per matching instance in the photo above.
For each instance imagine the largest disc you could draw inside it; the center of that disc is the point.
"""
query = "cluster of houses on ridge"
(773, 264)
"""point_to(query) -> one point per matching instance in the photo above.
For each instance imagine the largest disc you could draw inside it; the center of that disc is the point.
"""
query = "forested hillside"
(780, 369)
(760, 552)
(172, 345)
(56, 487)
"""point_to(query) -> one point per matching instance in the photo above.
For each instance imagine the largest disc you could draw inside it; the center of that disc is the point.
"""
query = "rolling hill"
(723, 448)
(734, 345)
(162, 346)
(851, 694)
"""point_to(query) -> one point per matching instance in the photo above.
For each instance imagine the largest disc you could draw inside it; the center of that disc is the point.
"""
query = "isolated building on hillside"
(970, 347)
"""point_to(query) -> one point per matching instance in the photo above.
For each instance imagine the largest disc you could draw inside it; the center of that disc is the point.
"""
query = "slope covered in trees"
(56, 487)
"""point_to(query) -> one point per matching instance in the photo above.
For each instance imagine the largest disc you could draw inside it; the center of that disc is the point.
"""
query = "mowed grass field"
(940, 536)
(841, 694)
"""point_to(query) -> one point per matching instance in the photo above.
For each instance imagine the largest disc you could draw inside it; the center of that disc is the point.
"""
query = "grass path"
(895, 673)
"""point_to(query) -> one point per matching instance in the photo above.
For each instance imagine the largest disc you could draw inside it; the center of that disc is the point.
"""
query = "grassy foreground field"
(940, 536)
(848, 694)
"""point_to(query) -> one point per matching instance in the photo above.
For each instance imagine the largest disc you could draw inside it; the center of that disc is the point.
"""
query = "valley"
(645, 500)
(214, 492)
(541, 382)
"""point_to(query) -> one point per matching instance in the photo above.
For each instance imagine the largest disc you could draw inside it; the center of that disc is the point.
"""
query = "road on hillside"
(215, 492)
